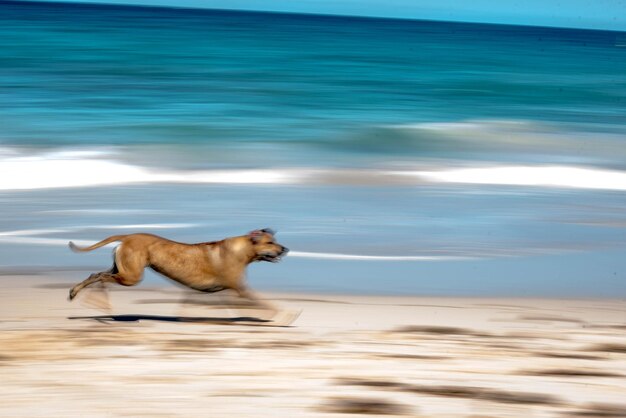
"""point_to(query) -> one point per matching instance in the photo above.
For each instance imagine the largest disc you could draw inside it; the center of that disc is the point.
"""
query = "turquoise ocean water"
(392, 156)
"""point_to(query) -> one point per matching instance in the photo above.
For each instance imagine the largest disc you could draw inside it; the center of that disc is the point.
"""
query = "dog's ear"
(255, 235)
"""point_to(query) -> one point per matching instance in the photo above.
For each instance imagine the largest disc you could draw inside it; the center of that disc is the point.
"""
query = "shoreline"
(47, 277)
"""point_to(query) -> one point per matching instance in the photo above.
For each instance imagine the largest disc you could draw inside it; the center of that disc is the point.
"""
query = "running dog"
(208, 266)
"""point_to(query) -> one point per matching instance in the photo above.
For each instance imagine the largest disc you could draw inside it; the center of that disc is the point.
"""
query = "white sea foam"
(335, 256)
(87, 169)
(81, 169)
(259, 176)
(44, 173)
(43, 241)
(537, 176)
(29, 232)
(21, 233)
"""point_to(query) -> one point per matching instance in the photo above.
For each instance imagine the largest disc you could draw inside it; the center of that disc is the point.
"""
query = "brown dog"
(207, 267)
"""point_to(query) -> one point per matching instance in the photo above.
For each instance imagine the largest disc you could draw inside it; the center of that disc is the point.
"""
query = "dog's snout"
(284, 250)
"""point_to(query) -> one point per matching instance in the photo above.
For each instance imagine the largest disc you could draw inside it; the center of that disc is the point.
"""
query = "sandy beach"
(162, 352)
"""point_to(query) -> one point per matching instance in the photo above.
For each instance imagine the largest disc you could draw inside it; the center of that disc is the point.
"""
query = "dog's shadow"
(100, 301)
(244, 320)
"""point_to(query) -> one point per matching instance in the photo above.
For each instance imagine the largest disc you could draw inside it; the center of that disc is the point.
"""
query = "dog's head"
(265, 246)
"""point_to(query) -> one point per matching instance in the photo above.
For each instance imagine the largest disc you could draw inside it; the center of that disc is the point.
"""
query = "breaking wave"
(496, 152)
(516, 141)
(83, 169)
(46, 173)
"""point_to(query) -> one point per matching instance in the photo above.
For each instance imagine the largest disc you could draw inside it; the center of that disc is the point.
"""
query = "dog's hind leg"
(103, 277)
(127, 270)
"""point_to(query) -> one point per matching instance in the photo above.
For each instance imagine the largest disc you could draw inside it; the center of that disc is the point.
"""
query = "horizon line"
(105, 3)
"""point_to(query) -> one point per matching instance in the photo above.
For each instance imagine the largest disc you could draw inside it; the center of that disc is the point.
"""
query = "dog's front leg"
(279, 317)
(245, 293)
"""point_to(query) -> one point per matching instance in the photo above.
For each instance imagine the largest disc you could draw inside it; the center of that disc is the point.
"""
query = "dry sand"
(151, 356)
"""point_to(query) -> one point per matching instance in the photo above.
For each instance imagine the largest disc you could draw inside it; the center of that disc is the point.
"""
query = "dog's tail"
(104, 242)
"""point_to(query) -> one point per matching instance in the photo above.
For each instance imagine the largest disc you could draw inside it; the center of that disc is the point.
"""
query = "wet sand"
(161, 352)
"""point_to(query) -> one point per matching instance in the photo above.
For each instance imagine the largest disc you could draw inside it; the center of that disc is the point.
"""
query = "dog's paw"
(285, 318)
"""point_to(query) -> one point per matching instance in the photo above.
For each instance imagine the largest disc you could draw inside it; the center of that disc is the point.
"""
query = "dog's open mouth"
(271, 257)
